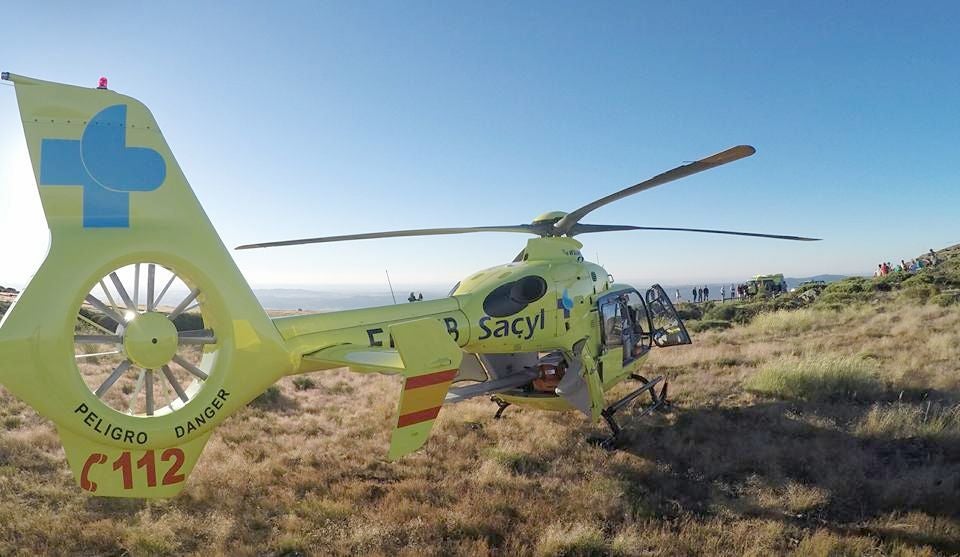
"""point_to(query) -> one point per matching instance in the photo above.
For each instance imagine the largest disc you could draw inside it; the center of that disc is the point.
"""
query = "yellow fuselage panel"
(557, 318)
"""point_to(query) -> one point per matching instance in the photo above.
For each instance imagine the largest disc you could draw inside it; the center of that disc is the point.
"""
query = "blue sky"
(303, 119)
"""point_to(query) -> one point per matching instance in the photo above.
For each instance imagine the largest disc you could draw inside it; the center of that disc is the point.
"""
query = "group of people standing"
(743, 291)
(702, 293)
(698, 294)
(912, 266)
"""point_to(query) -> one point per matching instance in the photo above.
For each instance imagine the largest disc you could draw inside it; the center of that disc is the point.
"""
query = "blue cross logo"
(101, 163)
(565, 303)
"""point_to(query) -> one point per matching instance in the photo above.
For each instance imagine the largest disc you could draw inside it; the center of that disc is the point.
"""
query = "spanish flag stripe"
(417, 417)
(423, 398)
(429, 379)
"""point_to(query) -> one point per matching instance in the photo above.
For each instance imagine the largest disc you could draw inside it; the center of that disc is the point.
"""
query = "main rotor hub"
(551, 216)
(150, 340)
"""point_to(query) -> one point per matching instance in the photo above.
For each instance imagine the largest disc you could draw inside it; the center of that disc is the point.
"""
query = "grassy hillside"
(821, 425)
(938, 285)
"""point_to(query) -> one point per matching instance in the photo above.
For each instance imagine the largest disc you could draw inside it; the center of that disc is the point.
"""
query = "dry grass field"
(820, 431)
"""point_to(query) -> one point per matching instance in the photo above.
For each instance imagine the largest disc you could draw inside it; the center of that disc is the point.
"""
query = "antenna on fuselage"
(390, 284)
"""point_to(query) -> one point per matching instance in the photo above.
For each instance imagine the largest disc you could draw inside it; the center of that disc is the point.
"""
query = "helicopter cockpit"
(635, 322)
(625, 323)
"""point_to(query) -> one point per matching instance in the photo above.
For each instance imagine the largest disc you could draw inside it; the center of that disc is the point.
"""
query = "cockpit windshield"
(668, 329)
(626, 323)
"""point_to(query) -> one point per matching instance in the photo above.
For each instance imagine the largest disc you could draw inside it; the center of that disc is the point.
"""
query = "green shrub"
(721, 312)
(188, 322)
(708, 325)
(689, 311)
(944, 276)
(904, 421)
(268, 398)
(791, 322)
(918, 279)
(889, 283)
(945, 300)
(817, 378)
(340, 388)
(832, 306)
(303, 383)
(807, 287)
(919, 293)
(838, 299)
(849, 285)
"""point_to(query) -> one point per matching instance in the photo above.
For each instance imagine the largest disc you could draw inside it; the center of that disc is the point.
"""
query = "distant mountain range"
(338, 300)
(793, 282)
(324, 300)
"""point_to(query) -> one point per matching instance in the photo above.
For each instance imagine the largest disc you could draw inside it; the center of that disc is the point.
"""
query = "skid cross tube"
(656, 401)
(501, 406)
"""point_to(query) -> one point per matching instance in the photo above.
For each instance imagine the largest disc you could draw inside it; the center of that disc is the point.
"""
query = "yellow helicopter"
(136, 276)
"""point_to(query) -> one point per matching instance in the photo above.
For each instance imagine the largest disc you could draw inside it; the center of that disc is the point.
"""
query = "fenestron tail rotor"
(558, 223)
(131, 353)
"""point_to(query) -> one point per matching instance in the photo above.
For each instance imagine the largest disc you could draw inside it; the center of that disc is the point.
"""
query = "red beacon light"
(102, 83)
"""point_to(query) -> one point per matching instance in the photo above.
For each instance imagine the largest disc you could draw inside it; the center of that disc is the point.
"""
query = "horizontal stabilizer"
(359, 358)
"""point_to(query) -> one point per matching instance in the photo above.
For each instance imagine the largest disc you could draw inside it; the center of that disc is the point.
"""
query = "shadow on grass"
(273, 399)
(726, 460)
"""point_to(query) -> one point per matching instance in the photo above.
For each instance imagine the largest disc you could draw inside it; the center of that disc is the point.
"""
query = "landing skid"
(501, 406)
(657, 400)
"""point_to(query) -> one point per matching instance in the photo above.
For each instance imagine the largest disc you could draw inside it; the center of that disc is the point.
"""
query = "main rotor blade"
(522, 228)
(564, 225)
(588, 228)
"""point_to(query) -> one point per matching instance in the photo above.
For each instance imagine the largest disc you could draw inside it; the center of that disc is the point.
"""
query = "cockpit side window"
(626, 323)
(638, 313)
(612, 316)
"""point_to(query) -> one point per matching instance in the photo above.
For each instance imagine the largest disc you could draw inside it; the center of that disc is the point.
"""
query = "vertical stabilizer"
(115, 200)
